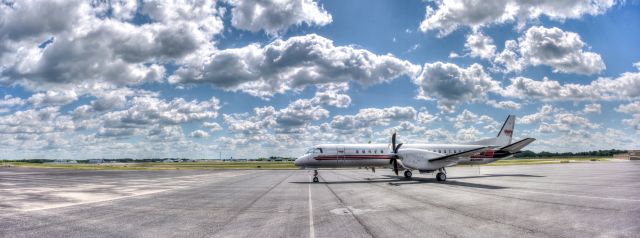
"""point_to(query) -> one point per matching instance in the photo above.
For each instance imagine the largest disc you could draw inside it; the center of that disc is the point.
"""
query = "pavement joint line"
(311, 227)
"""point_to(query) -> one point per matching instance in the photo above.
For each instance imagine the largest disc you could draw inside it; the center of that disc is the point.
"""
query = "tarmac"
(594, 199)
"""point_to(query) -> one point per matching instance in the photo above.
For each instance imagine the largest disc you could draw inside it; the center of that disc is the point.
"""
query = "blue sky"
(259, 78)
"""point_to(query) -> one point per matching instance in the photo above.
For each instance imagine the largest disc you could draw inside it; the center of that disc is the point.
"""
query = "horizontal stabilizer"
(515, 147)
(460, 155)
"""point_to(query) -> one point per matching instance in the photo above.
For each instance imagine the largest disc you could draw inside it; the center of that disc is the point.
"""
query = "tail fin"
(504, 136)
(506, 132)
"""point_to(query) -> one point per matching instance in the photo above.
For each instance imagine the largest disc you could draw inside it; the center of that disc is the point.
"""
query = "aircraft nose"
(298, 161)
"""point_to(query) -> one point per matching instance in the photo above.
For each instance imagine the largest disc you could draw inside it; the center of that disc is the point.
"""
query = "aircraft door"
(340, 154)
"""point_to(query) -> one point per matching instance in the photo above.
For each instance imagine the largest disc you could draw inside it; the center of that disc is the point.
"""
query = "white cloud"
(450, 15)
(283, 65)
(299, 113)
(370, 117)
(274, 17)
(199, 134)
(53, 98)
(96, 42)
(510, 58)
(425, 117)
(480, 45)
(451, 84)
(624, 87)
(543, 113)
(592, 108)
(467, 117)
(634, 121)
(11, 101)
(632, 108)
(562, 51)
(332, 94)
(567, 123)
(507, 105)
(212, 126)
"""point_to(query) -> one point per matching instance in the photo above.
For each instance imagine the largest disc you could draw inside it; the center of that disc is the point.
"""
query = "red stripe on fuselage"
(351, 157)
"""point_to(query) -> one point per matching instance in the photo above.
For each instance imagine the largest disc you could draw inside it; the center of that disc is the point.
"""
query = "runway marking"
(582, 196)
(311, 229)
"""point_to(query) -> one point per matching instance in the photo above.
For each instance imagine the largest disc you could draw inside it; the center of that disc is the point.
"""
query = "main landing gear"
(407, 174)
(315, 176)
(442, 175)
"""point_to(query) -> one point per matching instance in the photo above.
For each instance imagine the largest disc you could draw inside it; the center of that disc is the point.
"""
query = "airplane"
(426, 158)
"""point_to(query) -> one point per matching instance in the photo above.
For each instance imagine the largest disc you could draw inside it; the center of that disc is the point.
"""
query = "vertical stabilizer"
(506, 132)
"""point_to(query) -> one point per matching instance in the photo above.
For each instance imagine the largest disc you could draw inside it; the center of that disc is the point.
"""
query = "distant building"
(630, 155)
(64, 161)
(96, 161)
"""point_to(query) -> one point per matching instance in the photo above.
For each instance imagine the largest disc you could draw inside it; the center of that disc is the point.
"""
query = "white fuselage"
(378, 155)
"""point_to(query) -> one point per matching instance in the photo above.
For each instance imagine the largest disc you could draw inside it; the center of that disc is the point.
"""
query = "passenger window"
(356, 151)
(369, 151)
(381, 151)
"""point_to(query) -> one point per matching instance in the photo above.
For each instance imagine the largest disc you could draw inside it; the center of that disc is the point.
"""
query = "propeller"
(394, 155)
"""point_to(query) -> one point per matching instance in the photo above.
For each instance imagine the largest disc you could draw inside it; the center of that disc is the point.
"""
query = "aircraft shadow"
(499, 175)
(400, 181)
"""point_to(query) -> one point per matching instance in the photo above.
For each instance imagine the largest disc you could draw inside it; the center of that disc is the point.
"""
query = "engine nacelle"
(419, 159)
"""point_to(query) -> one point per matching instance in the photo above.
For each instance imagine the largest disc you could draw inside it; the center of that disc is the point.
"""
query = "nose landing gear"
(442, 175)
(315, 176)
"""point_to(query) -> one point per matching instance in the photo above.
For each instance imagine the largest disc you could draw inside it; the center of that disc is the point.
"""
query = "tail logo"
(508, 132)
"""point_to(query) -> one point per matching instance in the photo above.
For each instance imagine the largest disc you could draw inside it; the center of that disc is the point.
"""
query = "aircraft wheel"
(441, 176)
(315, 179)
(407, 174)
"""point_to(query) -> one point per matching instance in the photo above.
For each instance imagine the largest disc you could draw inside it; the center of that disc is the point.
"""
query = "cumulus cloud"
(333, 94)
(52, 98)
(425, 117)
(274, 17)
(632, 108)
(567, 123)
(98, 42)
(467, 117)
(11, 101)
(624, 87)
(212, 126)
(370, 117)
(507, 105)
(450, 15)
(543, 113)
(144, 111)
(199, 134)
(480, 45)
(592, 108)
(562, 51)
(294, 63)
(300, 113)
(35, 122)
(451, 84)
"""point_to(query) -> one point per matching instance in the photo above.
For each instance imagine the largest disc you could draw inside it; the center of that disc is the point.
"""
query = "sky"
(207, 79)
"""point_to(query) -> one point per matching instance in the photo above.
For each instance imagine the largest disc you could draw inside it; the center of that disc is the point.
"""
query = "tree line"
(545, 154)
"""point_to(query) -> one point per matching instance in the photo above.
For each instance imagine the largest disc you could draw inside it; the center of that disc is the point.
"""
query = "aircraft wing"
(456, 156)
(517, 146)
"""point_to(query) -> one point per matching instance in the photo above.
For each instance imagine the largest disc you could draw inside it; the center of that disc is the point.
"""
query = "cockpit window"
(314, 151)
